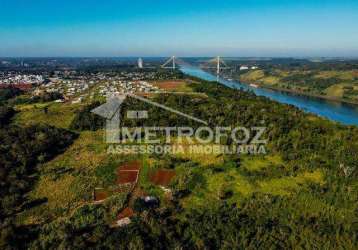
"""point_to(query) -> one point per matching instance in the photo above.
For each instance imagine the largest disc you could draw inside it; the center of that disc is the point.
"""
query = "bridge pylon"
(170, 63)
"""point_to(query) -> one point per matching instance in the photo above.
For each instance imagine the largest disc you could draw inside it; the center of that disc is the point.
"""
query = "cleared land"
(128, 173)
(55, 114)
(162, 177)
(176, 86)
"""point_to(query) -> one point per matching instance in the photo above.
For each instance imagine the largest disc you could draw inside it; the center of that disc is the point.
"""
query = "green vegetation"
(302, 194)
(55, 114)
(8, 93)
(333, 80)
(42, 98)
(21, 149)
(332, 84)
(6, 113)
(85, 120)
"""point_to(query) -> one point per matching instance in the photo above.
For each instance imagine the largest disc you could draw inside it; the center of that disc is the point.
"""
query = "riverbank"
(343, 112)
(297, 92)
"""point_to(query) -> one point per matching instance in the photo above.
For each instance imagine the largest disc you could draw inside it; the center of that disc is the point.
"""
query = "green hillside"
(298, 193)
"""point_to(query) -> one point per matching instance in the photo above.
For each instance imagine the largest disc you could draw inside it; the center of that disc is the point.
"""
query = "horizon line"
(167, 56)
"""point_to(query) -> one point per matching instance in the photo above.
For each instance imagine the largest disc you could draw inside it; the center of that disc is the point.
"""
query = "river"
(337, 111)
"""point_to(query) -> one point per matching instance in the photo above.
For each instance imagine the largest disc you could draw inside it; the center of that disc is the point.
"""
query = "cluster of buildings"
(20, 81)
(79, 86)
(117, 87)
(68, 88)
(75, 86)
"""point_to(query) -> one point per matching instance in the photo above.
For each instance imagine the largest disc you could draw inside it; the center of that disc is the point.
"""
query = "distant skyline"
(257, 28)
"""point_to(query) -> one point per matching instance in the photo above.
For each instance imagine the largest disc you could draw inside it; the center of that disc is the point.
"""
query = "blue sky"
(183, 28)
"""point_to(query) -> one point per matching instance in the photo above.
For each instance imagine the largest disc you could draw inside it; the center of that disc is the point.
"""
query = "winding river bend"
(337, 111)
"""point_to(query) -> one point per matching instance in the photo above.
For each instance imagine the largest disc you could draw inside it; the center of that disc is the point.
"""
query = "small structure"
(123, 222)
(123, 218)
(150, 199)
(151, 202)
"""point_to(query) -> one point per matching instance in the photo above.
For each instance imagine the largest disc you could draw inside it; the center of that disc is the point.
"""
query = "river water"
(337, 111)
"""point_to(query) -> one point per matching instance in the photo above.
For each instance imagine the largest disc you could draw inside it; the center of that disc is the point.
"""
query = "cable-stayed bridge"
(173, 62)
(215, 63)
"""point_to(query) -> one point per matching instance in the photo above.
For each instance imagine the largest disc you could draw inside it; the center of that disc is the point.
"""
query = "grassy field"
(57, 114)
(265, 175)
(336, 90)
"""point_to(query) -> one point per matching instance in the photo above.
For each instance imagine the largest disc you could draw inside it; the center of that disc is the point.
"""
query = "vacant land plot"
(100, 195)
(180, 86)
(162, 177)
(55, 114)
(128, 173)
(125, 177)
